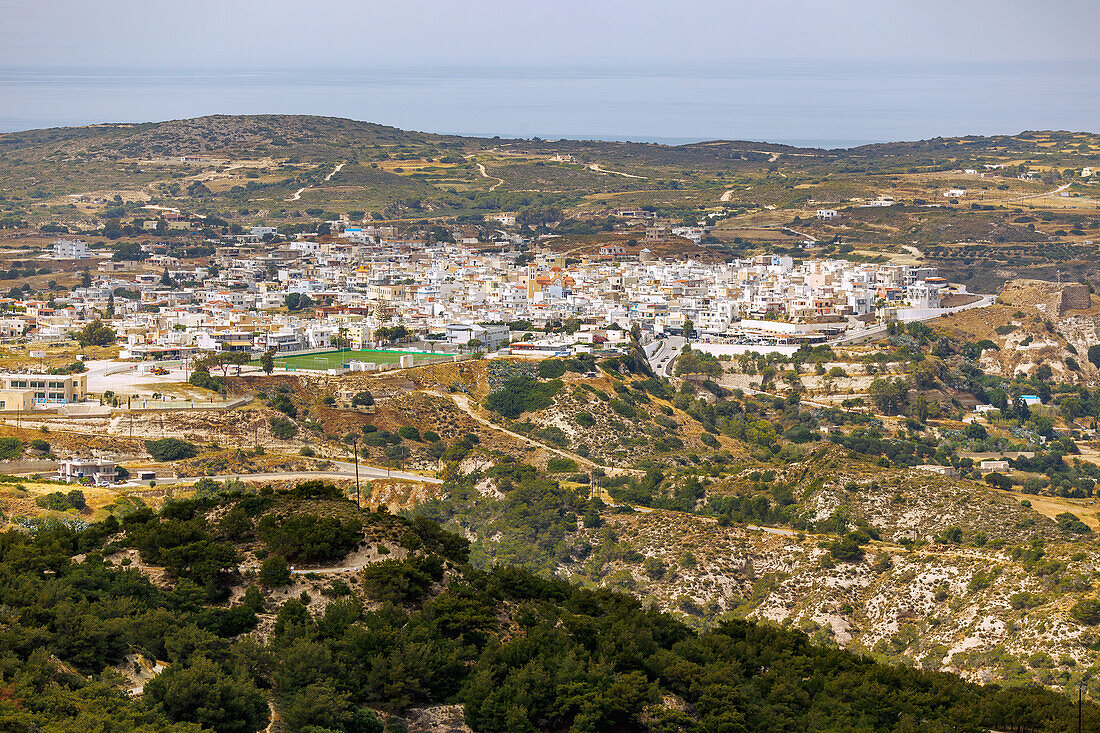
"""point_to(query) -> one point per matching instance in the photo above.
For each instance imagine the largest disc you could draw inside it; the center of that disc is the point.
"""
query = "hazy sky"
(822, 72)
(321, 33)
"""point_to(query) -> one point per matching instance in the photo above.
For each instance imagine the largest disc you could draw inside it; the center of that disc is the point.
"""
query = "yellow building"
(16, 400)
(55, 389)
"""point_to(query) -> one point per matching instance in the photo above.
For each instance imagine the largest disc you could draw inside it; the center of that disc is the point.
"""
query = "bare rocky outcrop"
(1054, 299)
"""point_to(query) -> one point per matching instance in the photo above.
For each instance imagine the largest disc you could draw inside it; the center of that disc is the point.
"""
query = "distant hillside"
(1016, 195)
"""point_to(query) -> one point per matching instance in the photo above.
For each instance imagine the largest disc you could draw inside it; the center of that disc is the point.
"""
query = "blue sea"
(830, 104)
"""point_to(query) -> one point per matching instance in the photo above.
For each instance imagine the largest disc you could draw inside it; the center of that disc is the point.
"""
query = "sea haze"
(833, 104)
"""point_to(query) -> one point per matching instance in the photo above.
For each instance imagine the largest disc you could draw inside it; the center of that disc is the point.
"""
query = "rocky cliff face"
(1038, 322)
(1053, 299)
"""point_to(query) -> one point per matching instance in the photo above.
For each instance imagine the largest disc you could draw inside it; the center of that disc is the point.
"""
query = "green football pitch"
(336, 359)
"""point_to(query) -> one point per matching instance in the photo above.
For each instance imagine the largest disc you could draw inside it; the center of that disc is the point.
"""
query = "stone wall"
(27, 465)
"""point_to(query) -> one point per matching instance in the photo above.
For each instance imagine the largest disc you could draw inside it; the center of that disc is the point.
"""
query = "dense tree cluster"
(518, 651)
(522, 394)
(171, 449)
(693, 361)
(95, 333)
(308, 537)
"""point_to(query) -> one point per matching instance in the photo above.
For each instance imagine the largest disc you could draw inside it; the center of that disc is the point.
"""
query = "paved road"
(983, 301)
(665, 353)
(344, 470)
(379, 472)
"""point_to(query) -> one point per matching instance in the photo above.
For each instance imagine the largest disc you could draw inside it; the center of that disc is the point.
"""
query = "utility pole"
(1080, 693)
(355, 452)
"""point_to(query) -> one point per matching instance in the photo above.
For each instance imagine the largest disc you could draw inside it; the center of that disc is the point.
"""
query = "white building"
(826, 214)
(98, 470)
(70, 249)
(923, 295)
(491, 337)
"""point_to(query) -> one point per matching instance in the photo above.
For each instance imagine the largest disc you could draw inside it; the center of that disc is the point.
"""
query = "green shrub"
(561, 465)
(170, 449)
(309, 538)
(275, 572)
(553, 434)
(282, 428)
(1086, 611)
(654, 567)
(60, 501)
(691, 361)
(522, 394)
(848, 549)
(402, 581)
(1025, 600)
(10, 448)
(552, 368)
(408, 432)
(283, 404)
(950, 536)
(1070, 524)
(202, 379)
(585, 419)
(623, 408)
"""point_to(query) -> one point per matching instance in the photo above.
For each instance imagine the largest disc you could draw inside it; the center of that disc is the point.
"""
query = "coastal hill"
(1020, 205)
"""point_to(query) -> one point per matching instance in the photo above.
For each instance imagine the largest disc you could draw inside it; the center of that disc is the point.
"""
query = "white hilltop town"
(366, 297)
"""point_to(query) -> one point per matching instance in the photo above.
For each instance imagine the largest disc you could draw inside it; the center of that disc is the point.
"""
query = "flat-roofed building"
(97, 470)
(70, 249)
(16, 400)
(54, 389)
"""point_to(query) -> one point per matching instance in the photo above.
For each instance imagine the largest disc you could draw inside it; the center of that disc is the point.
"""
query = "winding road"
(298, 194)
(664, 354)
(1055, 192)
(463, 403)
(499, 181)
(596, 167)
(343, 470)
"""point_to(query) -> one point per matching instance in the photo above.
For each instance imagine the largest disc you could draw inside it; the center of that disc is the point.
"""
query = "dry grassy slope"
(418, 397)
(923, 606)
(616, 439)
(401, 399)
(908, 503)
(81, 437)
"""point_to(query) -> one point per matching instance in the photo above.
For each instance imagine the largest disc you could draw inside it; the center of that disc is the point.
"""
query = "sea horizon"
(838, 104)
